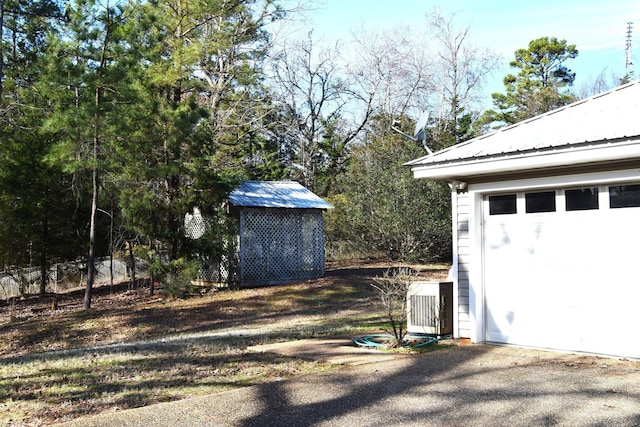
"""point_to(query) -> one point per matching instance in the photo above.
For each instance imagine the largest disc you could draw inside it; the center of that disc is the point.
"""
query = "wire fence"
(18, 282)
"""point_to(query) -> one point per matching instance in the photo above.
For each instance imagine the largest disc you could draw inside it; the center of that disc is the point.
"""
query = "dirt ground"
(59, 362)
(132, 349)
(118, 314)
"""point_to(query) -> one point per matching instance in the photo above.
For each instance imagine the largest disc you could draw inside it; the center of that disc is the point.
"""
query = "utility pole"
(629, 56)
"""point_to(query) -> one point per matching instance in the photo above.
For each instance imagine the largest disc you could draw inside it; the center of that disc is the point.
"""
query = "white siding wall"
(463, 254)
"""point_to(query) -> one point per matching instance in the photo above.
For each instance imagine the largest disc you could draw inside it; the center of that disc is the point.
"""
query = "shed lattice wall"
(280, 245)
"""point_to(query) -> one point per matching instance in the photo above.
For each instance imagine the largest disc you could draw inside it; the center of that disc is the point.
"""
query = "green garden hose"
(374, 340)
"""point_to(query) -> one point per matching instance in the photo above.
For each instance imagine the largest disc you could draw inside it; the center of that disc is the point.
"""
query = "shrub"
(392, 290)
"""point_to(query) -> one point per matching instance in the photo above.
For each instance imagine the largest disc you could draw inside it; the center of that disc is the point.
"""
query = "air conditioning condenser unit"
(430, 308)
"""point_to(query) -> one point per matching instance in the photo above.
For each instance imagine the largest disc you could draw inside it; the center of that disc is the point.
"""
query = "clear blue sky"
(597, 28)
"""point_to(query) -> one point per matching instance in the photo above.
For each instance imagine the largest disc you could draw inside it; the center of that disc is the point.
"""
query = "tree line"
(119, 117)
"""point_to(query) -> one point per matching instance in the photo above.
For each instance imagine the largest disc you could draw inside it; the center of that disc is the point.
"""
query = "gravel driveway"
(458, 386)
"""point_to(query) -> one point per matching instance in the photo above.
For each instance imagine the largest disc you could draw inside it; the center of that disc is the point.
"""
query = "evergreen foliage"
(119, 117)
(538, 86)
(380, 207)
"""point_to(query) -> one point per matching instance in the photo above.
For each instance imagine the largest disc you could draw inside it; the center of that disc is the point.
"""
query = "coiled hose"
(375, 340)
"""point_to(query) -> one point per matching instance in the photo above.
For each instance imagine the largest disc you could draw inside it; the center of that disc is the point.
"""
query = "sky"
(597, 28)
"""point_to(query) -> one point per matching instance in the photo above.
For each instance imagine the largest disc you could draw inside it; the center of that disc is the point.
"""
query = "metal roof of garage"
(276, 194)
(571, 133)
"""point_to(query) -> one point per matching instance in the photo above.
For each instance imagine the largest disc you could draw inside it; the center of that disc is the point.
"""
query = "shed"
(546, 228)
(281, 234)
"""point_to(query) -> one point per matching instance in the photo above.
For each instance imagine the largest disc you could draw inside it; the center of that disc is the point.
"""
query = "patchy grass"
(132, 349)
(43, 389)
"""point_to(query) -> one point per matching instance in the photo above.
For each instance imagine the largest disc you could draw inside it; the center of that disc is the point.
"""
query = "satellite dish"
(421, 124)
(420, 134)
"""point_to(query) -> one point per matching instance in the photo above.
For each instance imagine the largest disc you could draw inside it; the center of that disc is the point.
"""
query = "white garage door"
(562, 269)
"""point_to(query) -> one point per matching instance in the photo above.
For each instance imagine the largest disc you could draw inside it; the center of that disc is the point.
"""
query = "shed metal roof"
(276, 194)
(574, 133)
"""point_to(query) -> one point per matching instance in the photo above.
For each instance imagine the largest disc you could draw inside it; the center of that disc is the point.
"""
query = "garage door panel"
(563, 280)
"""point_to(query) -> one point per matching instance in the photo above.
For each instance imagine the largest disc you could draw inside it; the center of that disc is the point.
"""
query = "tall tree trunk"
(111, 245)
(97, 127)
(132, 266)
(1, 49)
(172, 184)
(43, 253)
(91, 259)
(152, 277)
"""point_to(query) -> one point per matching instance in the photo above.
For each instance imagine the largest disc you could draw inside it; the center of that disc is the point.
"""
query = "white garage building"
(546, 218)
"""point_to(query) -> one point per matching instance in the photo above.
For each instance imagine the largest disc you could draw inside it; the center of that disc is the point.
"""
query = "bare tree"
(232, 50)
(601, 83)
(316, 94)
(394, 67)
(392, 289)
(437, 69)
(462, 69)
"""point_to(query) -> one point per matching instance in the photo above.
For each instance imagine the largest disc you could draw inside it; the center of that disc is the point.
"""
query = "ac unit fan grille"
(424, 310)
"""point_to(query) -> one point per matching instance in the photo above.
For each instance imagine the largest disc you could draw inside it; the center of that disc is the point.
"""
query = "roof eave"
(520, 162)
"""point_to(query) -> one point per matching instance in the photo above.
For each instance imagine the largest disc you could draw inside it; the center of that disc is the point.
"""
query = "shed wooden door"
(561, 275)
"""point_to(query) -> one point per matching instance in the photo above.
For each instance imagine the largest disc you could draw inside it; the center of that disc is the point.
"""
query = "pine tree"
(202, 97)
(537, 88)
(33, 194)
(88, 80)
